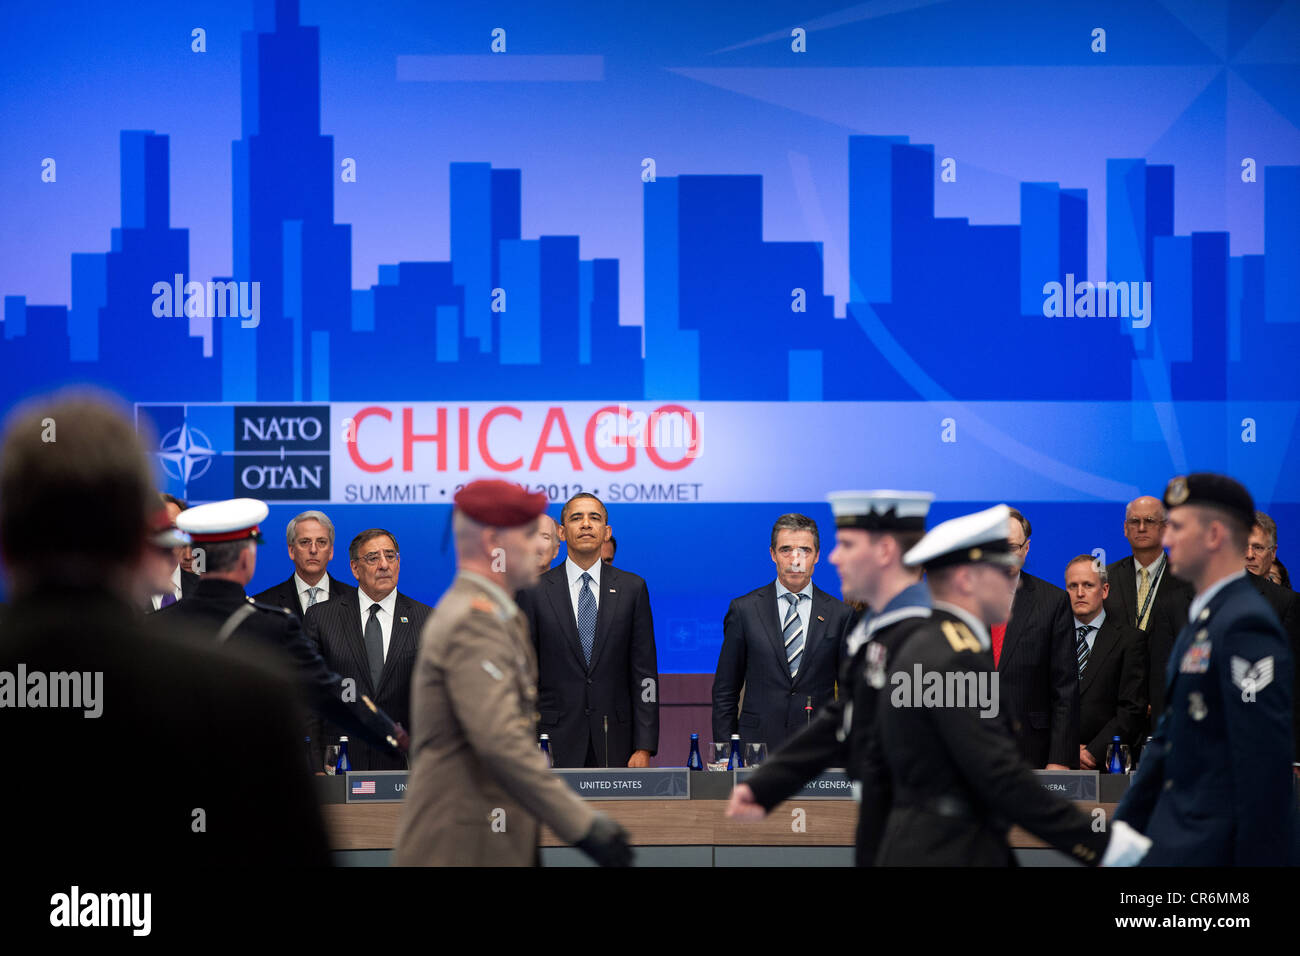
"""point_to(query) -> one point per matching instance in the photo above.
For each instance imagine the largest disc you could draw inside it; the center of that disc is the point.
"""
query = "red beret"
(501, 504)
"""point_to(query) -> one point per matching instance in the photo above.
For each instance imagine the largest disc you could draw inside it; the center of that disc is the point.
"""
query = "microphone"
(606, 722)
(808, 708)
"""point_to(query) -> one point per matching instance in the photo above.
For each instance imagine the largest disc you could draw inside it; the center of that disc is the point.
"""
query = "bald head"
(1144, 527)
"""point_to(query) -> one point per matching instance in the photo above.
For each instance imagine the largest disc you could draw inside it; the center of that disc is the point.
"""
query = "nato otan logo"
(271, 452)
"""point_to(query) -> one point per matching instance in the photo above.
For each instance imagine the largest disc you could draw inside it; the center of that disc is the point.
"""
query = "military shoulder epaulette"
(273, 608)
(484, 605)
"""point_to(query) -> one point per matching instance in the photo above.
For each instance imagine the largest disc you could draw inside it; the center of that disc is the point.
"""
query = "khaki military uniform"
(478, 784)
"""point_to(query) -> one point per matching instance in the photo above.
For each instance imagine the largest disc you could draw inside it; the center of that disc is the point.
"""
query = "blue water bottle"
(544, 744)
(734, 760)
(344, 764)
(1115, 763)
(693, 762)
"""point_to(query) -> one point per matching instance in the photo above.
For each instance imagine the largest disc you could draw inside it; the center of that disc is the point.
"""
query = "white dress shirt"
(304, 590)
(386, 606)
(1095, 624)
(575, 583)
(783, 608)
(176, 588)
(1151, 578)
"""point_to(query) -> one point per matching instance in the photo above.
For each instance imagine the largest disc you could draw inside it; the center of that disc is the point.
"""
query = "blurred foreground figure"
(122, 741)
(479, 786)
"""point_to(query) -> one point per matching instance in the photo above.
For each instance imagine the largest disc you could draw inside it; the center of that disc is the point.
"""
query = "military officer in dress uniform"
(479, 786)
(1214, 786)
(874, 529)
(227, 532)
(956, 780)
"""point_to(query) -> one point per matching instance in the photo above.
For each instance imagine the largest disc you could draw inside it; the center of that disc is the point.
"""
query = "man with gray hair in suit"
(310, 537)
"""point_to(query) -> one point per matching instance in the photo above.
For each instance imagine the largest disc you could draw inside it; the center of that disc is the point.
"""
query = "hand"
(639, 759)
(1085, 759)
(743, 806)
(606, 843)
(403, 738)
(1056, 766)
(1126, 846)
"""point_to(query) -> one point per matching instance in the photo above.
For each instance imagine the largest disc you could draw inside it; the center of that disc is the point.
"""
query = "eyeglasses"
(1259, 548)
(1017, 548)
(372, 558)
(1142, 522)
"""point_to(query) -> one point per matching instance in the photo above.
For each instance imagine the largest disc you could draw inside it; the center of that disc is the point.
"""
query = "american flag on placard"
(363, 786)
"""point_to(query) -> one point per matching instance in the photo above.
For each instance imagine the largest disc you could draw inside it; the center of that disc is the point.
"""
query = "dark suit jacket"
(1113, 688)
(1285, 604)
(175, 711)
(1038, 674)
(1122, 600)
(285, 595)
(336, 628)
(575, 701)
(753, 656)
(189, 581)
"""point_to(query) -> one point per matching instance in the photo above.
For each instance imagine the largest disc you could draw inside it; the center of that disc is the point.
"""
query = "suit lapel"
(770, 615)
(354, 636)
(1021, 611)
(557, 592)
(816, 629)
(606, 609)
(399, 641)
(1126, 589)
(1106, 640)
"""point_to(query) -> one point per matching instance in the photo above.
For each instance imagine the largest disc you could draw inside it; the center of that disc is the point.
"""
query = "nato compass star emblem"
(186, 453)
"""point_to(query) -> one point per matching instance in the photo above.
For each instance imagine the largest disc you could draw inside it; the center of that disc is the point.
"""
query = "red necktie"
(999, 632)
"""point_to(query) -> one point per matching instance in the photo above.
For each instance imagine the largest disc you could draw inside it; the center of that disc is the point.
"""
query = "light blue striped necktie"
(1081, 649)
(792, 631)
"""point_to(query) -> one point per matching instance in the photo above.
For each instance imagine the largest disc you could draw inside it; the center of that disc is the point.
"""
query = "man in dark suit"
(1037, 667)
(371, 637)
(227, 532)
(76, 578)
(873, 530)
(782, 643)
(1144, 592)
(1112, 665)
(181, 582)
(598, 675)
(310, 537)
(1224, 795)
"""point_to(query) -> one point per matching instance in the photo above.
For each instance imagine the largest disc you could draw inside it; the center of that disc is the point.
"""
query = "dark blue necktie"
(587, 617)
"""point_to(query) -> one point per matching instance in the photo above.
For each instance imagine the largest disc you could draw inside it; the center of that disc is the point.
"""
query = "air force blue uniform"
(1214, 787)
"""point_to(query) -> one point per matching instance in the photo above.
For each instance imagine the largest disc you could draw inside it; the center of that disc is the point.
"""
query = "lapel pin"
(612, 591)
(402, 619)
(820, 618)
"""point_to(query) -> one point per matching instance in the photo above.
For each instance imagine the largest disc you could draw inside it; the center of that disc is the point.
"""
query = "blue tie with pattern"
(587, 617)
(792, 631)
(1081, 648)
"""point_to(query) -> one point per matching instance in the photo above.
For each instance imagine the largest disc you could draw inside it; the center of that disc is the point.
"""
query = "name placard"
(375, 786)
(827, 785)
(1071, 784)
(623, 783)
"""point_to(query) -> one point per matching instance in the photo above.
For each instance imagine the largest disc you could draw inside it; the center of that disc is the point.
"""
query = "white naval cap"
(232, 520)
(982, 536)
(880, 510)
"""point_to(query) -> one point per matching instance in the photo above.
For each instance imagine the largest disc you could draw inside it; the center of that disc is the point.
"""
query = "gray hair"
(291, 530)
(1267, 525)
(1094, 562)
(796, 522)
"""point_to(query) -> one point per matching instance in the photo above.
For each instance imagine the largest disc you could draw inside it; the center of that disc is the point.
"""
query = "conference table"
(678, 818)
